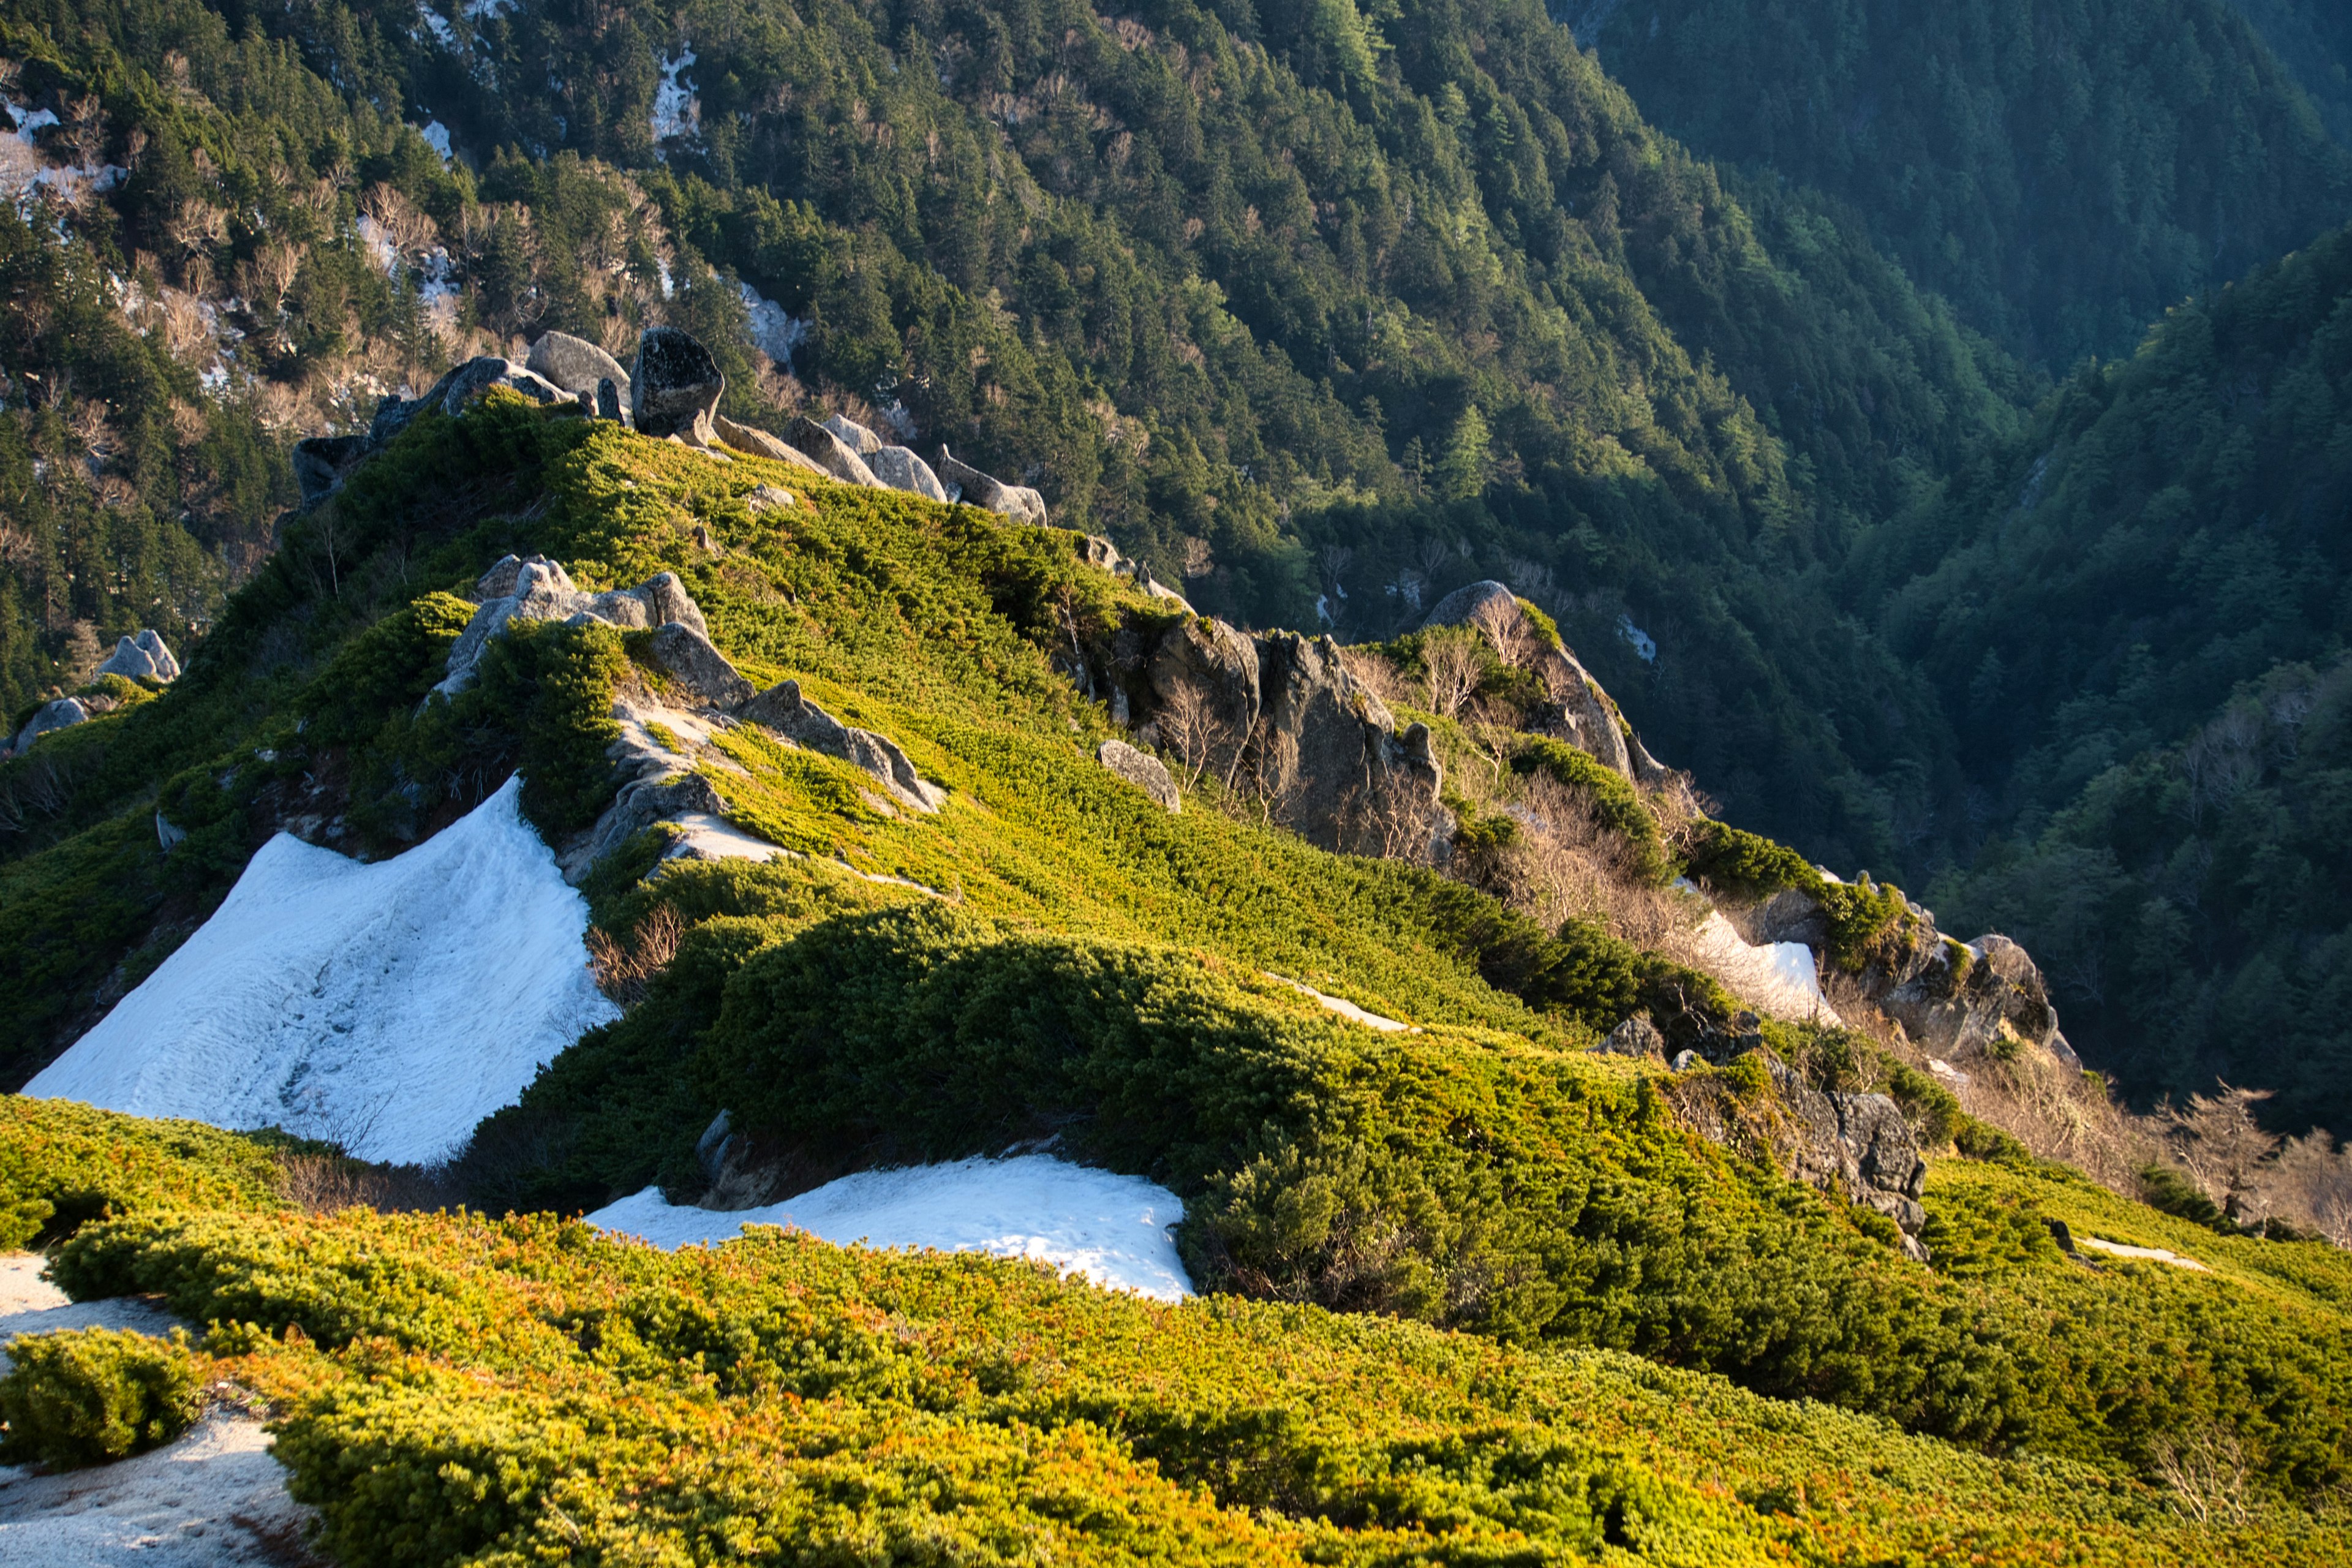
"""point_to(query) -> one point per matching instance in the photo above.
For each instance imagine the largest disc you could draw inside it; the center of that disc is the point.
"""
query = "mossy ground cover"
(1084, 964)
(455, 1389)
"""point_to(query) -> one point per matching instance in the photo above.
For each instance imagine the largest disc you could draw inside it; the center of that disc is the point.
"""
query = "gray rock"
(674, 387)
(575, 364)
(538, 589)
(1787, 916)
(472, 381)
(142, 658)
(321, 463)
(1856, 1144)
(902, 470)
(979, 490)
(1101, 553)
(686, 654)
(61, 714)
(832, 454)
(167, 834)
(1144, 770)
(759, 444)
(1991, 1002)
(1688, 1061)
(641, 803)
(853, 434)
(769, 498)
(784, 710)
(1636, 1037)
(609, 400)
(1582, 712)
(1204, 674)
(1330, 758)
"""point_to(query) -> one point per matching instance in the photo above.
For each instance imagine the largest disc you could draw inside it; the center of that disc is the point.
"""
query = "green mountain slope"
(2061, 174)
(1097, 970)
(2313, 39)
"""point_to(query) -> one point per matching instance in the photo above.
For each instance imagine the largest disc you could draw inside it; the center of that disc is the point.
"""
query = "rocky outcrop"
(1856, 1146)
(61, 714)
(782, 708)
(1636, 1037)
(979, 490)
(1987, 998)
(538, 589)
(697, 668)
(853, 434)
(321, 463)
(1580, 712)
(899, 468)
(674, 387)
(1328, 756)
(142, 658)
(1144, 770)
(576, 366)
(832, 454)
(759, 444)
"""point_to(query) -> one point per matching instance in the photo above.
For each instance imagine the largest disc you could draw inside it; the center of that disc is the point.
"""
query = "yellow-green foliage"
(85, 1397)
(498, 1393)
(62, 1164)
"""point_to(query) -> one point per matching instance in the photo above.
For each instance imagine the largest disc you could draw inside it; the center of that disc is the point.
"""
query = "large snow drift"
(388, 1006)
(1779, 977)
(1112, 1230)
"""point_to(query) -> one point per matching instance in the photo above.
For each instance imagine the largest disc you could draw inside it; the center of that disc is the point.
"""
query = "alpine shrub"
(86, 1396)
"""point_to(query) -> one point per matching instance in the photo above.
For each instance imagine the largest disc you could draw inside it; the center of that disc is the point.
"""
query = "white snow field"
(1779, 977)
(1110, 1229)
(214, 1498)
(388, 1006)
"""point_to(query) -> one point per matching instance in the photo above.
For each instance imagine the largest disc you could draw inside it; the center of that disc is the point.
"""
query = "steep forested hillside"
(2315, 40)
(1304, 322)
(2139, 620)
(2060, 174)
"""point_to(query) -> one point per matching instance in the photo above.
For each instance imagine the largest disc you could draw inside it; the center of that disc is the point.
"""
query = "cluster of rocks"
(672, 391)
(141, 657)
(1274, 713)
(666, 729)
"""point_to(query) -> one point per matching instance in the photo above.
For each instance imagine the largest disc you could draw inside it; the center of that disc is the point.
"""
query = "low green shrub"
(86, 1396)
(63, 1163)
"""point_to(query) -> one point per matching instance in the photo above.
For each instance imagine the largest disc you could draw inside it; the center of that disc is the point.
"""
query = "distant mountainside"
(2313, 38)
(2060, 174)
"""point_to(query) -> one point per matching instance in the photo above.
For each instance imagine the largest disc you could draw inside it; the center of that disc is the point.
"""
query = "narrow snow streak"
(1110, 1229)
(388, 1006)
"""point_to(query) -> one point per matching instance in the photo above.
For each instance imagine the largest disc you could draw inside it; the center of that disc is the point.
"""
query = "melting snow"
(1345, 1009)
(677, 112)
(388, 1006)
(2151, 1254)
(774, 332)
(437, 136)
(437, 25)
(1644, 646)
(1110, 1229)
(1780, 977)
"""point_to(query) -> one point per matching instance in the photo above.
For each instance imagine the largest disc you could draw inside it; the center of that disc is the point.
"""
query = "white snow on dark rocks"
(675, 111)
(1110, 1229)
(1780, 977)
(388, 1006)
(213, 1499)
(775, 331)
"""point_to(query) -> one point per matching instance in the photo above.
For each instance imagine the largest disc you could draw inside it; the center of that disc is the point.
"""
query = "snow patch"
(437, 25)
(1111, 1230)
(388, 1006)
(677, 112)
(698, 835)
(488, 10)
(1780, 977)
(437, 136)
(2148, 1254)
(1345, 1009)
(775, 331)
(1644, 647)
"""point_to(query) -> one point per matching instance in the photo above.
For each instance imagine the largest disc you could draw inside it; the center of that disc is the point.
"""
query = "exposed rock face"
(1582, 714)
(1989, 1004)
(538, 589)
(324, 462)
(609, 400)
(1787, 916)
(768, 498)
(1855, 1144)
(63, 714)
(471, 382)
(658, 795)
(1204, 678)
(833, 455)
(1331, 759)
(981, 490)
(575, 364)
(853, 434)
(899, 469)
(142, 658)
(690, 660)
(1144, 770)
(759, 444)
(1636, 1037)
(676, 387)
(782, 708)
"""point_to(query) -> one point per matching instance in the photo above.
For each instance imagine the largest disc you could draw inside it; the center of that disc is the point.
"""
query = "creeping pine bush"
(86, 1396)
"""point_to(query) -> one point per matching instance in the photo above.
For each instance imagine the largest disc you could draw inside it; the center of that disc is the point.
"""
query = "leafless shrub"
(2313, 1185)
(1506, 626)
(2206, 1468)
(406, 228)
(1376, 675)
(1191, 728)
(330, 1184)
(2063, 1113)
(2216, 1142)
(624, 970)
(1454, 670)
